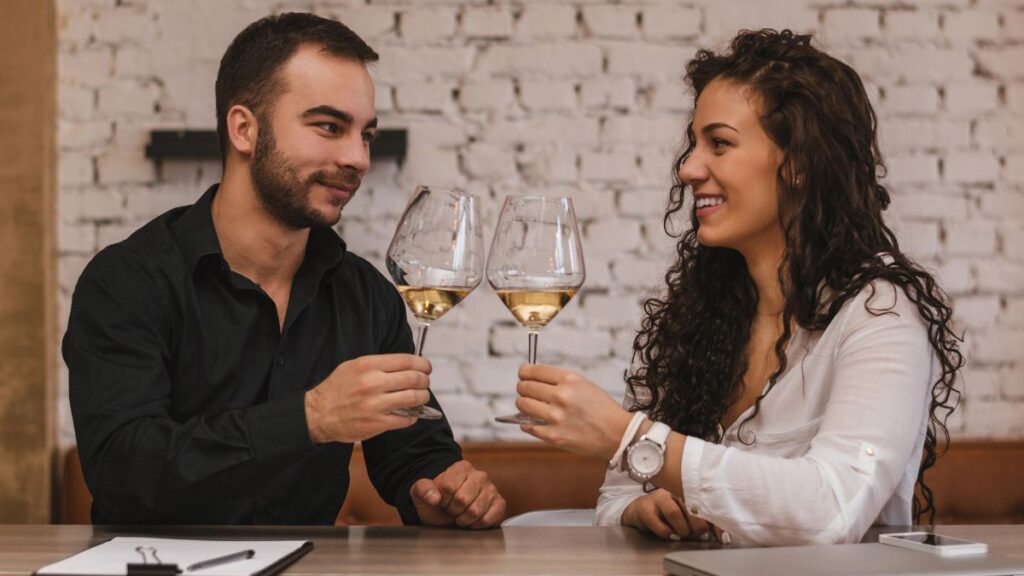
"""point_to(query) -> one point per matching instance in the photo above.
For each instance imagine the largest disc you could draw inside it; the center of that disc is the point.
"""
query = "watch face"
(645, 458)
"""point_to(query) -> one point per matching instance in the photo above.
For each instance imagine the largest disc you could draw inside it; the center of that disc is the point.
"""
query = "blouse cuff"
(693, 450)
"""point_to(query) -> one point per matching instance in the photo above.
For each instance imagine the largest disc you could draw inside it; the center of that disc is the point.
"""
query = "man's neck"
(255, 244)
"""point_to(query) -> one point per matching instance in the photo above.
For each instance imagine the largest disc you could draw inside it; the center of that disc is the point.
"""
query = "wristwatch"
(646, 456)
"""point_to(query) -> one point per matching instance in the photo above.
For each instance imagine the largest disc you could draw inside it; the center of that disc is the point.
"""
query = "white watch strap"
(627, 437)
(658, 433)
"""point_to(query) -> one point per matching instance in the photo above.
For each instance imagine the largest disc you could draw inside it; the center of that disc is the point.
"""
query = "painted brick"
(547, 95)
(965, 26)
(424, 96)
(1002, 62)
(910, 25)
(971, 167)
(970, 238)
(369, 21)
(848, 24)
(915, 99)
(560, 60)
(616, 166)
(545, 22)
(670, 22)
(487, 22)
(971, 98)
(611, 21)
(606, 92)
(491, 96)
(426, 25)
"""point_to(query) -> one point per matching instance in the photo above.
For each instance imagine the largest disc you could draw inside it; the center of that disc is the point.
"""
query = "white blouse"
(836, 445)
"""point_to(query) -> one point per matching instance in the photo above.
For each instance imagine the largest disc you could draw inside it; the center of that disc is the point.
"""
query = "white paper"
(113, 556)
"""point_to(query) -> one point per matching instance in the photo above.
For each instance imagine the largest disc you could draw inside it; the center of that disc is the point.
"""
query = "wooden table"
(413, 550)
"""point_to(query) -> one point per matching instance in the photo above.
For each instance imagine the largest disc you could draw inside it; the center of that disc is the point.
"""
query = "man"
(224, 358)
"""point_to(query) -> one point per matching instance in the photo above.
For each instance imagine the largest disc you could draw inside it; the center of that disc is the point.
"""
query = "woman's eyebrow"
(715, 125)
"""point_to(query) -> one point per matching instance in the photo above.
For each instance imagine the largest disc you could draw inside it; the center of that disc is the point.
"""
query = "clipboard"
(130, 556)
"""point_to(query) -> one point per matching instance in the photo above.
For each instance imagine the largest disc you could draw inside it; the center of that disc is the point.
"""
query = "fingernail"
(434, 495)
(726, 539)
(705, 537)
(675, 537)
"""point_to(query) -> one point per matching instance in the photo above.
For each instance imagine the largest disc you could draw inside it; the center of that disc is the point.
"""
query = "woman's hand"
(580, 417)
(664, 515)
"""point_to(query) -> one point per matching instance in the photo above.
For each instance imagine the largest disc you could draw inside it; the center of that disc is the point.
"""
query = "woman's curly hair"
(689, 355)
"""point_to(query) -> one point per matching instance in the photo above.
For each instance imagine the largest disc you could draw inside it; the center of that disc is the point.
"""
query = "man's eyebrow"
(715, 126)
(341, 115)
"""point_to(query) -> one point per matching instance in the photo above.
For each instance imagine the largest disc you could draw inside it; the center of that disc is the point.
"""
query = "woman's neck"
(763, 267)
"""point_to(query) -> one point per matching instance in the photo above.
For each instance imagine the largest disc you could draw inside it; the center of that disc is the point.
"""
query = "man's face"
(313, 144)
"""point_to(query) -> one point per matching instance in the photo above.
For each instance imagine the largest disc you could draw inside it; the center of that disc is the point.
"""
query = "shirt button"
(280, 360)
(870, 451)
(693, 510)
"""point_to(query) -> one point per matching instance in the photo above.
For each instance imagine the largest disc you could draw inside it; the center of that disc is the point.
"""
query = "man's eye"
(328, 127)
(369, 137)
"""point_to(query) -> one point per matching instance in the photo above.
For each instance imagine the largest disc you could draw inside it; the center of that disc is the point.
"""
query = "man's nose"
(353, 153)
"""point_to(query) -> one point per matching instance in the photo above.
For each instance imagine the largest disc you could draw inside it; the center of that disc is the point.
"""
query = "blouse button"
(870, 451)
(693, 510)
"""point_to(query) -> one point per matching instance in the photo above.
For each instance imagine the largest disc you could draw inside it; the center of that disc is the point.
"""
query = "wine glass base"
(520, 418)
(421, 412)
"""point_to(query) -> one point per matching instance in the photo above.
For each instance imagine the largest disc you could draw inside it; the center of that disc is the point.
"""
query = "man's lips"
(342, 191)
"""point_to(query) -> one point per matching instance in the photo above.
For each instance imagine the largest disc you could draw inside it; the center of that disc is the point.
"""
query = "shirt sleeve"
(618, 490)
(396, 459)
(142, 464)
(870, 432)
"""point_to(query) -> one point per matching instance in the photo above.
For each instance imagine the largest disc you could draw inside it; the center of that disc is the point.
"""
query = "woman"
(803, 363)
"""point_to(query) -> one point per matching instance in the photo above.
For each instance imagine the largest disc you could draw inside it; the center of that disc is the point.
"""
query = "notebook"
(836, 560)
(113, 556)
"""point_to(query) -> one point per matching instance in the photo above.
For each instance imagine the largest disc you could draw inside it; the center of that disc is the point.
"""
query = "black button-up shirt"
(188, 397)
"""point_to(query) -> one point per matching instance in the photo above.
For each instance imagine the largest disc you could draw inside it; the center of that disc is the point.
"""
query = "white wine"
(535, 308)
(429, 304)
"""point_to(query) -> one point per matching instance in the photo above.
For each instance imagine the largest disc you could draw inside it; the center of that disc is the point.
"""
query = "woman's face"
(733, 171)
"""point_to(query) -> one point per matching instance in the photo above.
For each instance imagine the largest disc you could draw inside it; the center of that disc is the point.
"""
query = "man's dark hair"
(249, 71)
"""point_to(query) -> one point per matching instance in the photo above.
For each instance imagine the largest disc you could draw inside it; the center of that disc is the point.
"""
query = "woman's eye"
(718, 143)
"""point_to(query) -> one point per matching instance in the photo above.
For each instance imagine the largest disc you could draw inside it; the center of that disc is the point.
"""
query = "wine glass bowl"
(436, 260)
(535, 265)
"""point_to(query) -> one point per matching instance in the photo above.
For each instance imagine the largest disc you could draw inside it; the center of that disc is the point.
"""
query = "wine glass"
(535, 266)
(436, 259)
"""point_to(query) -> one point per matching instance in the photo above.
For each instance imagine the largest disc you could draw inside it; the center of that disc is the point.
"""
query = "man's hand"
(355, 402)
(663, 515)
(460, 495)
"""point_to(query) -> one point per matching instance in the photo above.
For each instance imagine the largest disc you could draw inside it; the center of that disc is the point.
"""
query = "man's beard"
(283, 192)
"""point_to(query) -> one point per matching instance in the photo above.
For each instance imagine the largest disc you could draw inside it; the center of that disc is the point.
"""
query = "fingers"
(404, 399)
(493, 516)
(538, 409)
(480, 505)
(652, 521)
(674, 515)
(425, 492)
(537, 390)
(394, 363)
(466, 496)
(404, 380)
(542, 373)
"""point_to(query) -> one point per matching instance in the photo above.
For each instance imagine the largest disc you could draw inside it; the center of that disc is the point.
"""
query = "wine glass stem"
(533, 346)
(421, 337)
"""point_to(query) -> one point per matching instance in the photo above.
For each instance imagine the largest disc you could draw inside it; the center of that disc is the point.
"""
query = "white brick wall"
(582, 98)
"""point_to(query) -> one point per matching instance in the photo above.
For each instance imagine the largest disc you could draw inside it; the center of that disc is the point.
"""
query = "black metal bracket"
(203, 145)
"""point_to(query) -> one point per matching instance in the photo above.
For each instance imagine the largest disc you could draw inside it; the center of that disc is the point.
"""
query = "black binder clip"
(147, 568)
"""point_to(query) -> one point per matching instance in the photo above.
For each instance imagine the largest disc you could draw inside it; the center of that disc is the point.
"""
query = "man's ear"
(243, 129)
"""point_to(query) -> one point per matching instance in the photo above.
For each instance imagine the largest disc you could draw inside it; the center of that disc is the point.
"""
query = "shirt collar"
(198, 238)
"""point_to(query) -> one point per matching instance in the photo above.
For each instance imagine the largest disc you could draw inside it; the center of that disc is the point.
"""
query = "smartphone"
(934, 543)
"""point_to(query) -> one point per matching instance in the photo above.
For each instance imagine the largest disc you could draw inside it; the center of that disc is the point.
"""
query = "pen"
(243, 555)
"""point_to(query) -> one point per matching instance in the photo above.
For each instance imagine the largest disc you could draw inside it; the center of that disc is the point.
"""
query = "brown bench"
(974, 483)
